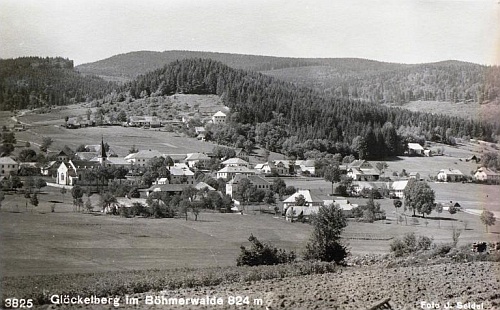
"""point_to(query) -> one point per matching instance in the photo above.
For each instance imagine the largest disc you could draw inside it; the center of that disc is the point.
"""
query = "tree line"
(34, 82)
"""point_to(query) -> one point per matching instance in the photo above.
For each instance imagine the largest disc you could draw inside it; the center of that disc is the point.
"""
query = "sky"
(403, 31)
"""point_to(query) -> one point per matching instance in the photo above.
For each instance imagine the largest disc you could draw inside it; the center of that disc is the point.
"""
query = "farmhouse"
(307, 166)
(142, 157)
(194, 158)
(397, 188)
(8, 165)
(255, 180)
(361, 170)
(450, 175)
(49, 169)
(343, 204)
(484, 174)
(311, 200)
(272, 168)
(235, 162)
(415, 149)
(219, 118)
(148, 121)
(172, 189)
(181, 175)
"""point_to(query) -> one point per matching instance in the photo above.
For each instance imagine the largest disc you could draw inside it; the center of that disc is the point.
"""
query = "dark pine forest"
(33, 82)
(282, 116)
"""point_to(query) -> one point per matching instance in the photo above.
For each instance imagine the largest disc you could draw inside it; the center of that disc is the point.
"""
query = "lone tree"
(419, 197)
(332, 174)
(324, 243)
(77, 193)
(488, 219)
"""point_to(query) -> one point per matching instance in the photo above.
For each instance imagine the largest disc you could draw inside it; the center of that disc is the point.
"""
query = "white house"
(397, 188)
(272, 168)
(230, 171)
(361, 170)
(8, 165)
(142, 157)
(235, 162)
(486, 175)
(415, 149)
(193, 158)
(450, 175)
(219, 118)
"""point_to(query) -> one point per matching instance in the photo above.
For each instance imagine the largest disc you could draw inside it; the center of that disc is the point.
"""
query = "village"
(234, 183)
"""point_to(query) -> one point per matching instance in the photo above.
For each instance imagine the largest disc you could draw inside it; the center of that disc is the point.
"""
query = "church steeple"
(102, 153)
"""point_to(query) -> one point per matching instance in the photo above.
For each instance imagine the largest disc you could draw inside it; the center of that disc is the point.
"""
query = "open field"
(40, 242)
(119, 138)
(483, 112)
(360, 288)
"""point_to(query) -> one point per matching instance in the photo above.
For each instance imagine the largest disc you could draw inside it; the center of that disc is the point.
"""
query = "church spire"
(102, 155)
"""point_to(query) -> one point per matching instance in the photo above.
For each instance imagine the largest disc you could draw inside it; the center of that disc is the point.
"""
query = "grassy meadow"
(37, 241)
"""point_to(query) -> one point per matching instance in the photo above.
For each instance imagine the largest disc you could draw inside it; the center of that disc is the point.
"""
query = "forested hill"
(31, 82)
(284, 117)
(368, 80)
(130, 65)
(450, 81)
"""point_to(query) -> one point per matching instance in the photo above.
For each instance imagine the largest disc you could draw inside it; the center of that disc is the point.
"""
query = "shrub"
(263, 254)
(324, 244)
(409, 244)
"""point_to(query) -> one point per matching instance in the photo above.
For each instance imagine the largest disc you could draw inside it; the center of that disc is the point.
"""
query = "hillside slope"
(370, 80)
(32, 82)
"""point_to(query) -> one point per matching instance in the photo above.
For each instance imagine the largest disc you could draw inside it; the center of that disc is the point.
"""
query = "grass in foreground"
(40, 288)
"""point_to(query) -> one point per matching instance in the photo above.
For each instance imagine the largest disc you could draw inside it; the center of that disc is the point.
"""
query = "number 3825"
(18, 303)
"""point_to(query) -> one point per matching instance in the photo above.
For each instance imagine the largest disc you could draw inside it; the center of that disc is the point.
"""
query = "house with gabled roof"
(181, 175)
(450, 175)
(219, 118)
(235, 162)
(397, 188)
(415, 149)
(362, 170)
(8, 165)
(142, 157)
(194, 158)
(255, 180)
(484, 174)
(229, 172)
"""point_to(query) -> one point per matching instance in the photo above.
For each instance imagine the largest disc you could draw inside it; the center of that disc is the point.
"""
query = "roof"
(399, 185)
(236, 169)
(117, 161)
(85, 163)
(487, 171)
(85, 155)
(167, 188)
(451, 171)
(180, 171)
(197, 156)
(219, 113)
(308, 163)
(415, 146)
(144, 154)
(235, 161)
(7, 161)
(308, 196)
(202, 185)
(254, 179)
